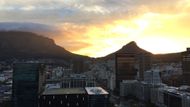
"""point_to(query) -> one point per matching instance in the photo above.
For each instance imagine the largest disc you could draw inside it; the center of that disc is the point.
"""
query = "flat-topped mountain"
(16, 44)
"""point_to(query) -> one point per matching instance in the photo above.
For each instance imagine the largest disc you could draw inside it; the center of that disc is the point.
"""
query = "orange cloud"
(158, 29)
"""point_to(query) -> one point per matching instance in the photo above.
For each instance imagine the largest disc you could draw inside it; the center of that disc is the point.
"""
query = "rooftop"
(95, 91)
(60, 91)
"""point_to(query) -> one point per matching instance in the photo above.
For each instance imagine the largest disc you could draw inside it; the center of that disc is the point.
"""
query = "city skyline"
(99, 27)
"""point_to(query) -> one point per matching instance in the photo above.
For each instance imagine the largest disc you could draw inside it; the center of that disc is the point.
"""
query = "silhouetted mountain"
(132, 47)
(15, 44)
(172, 57)
(129, 48)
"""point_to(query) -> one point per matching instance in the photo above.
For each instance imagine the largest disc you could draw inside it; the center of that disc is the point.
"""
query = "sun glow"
(162, 31)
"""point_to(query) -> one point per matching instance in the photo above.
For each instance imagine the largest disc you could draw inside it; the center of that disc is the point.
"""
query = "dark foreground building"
(66, 97)
(28, 81)
(186, 67)
(74, 97)
(172, 99)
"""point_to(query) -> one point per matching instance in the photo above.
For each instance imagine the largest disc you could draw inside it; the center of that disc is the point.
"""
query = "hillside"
(15, 44)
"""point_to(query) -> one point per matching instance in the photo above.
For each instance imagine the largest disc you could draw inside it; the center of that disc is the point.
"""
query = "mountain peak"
(131, 47)
(132, 43)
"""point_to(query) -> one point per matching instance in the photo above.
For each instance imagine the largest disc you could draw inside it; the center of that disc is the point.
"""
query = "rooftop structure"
(64, 91)
(96, 91)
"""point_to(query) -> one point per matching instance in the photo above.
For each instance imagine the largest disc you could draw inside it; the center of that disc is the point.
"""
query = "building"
(186, 101)
(74, 97)
(28, 81)
(125, 68)
(172, 99)
(97, 97)
(152, 77)
(133, 88)
(186, 67)
(65, 97)
(77, 81)
(127, 88)
(144, 61)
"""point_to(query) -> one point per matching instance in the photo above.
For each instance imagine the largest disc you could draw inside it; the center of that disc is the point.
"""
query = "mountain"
(132, 47)
(16, 44)
(171, 57)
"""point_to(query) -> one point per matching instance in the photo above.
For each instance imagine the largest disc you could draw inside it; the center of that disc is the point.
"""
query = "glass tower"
(27, 84)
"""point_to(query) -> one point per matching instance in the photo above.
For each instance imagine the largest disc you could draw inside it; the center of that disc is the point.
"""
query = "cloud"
(86, 11)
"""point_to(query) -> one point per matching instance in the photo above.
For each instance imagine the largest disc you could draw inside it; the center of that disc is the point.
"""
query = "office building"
(125, 68)
(28, 81)
(74, 97)
(186, 67)
(152, 77)
(65, 97)
(78, 81)
(127, 88)
(97, 97)
(144, 61)
(172, 99)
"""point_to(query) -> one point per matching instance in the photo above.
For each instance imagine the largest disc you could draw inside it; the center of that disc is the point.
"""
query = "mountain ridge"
(133, 48)
(17, 44)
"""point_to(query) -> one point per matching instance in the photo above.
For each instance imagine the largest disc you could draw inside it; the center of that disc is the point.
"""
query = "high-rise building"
(125, 68)
(186, 67)
(28, 81)
(144, 61)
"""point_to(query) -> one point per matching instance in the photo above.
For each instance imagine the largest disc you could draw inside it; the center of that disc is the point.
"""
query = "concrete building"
(144, 61)
(77, 81)
(74, 97)
(97, 97)
(186, 67)
(127, 87)
(28, 81)
(152, 77)
(186, 100)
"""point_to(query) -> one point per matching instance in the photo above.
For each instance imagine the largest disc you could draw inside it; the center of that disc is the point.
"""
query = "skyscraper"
(28, 81)
(144, 61)
(125, 67)
(186, 67)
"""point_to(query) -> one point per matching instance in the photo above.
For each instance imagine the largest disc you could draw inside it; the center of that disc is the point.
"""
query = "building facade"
(74, 97)
(28, 81)
(65, 97)
(97, 97)
(125, 68)
(186, 67)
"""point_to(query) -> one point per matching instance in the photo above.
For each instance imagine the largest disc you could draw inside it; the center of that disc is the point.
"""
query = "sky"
(99, 27)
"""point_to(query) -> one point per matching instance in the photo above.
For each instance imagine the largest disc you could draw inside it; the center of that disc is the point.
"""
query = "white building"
(152, 77)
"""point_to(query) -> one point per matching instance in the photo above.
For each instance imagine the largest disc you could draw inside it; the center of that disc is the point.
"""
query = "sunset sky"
(99, 27)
